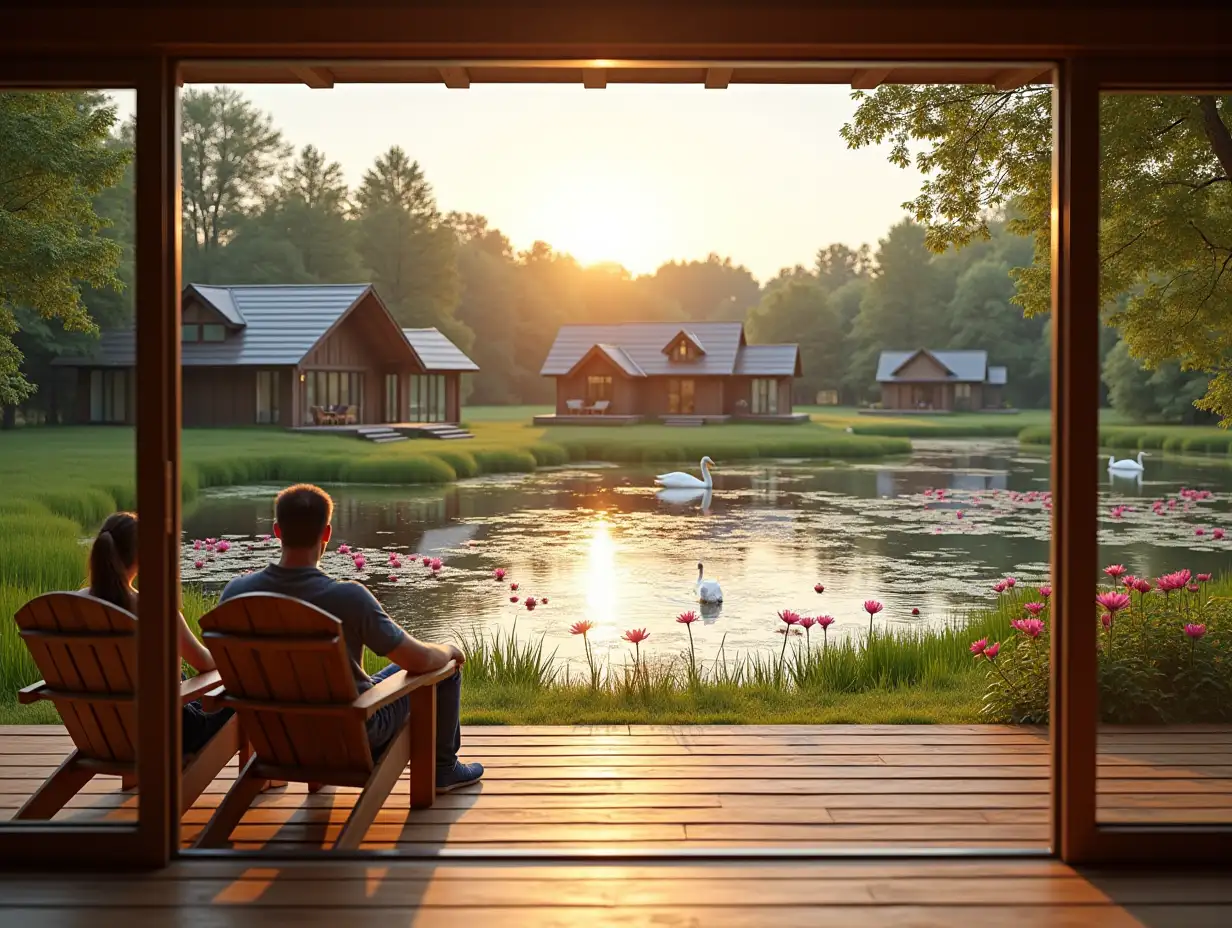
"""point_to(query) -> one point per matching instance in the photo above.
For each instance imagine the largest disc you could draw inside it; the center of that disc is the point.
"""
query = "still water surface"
(600, 543)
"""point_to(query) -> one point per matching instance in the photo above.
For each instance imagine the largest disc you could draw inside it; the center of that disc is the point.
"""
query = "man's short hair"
(302, 512)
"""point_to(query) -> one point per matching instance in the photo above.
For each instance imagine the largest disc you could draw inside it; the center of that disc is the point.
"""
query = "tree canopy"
(1166, 204)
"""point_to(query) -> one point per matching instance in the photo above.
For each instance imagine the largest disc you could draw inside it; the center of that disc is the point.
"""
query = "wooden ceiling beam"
(718, 78)
(594, 78)
(869, 78)
(1020, 77)
(315, 77)
(455, 78)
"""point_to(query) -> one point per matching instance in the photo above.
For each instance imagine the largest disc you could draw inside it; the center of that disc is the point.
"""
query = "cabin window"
(765, 396)
(109, 396)
(190, 332)
(962, 391)
(332, 388)
(391, 397)
(213, 333)
(680, 393)
(598, 387)
(427, 398)
(268, 412)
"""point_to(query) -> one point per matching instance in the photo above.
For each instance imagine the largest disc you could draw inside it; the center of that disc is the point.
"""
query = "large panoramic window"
(392, 404)
(427, 398)
(109, 396)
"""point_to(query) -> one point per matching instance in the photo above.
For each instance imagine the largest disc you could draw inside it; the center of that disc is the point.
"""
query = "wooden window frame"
(1077, 837)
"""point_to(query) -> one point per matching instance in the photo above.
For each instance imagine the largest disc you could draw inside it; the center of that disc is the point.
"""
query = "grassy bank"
(952, 425)
(1178, 439)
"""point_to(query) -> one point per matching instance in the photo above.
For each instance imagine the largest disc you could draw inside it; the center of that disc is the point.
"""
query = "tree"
(231, 156)
(1166, 393)
(53, 162)
(309, 211)
(1166, 201)
(713, 290)
(798, 310)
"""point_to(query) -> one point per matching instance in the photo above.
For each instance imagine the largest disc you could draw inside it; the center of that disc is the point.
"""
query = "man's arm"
(417, 657)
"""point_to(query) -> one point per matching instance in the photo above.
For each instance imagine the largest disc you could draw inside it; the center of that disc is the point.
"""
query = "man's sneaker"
(459, 775)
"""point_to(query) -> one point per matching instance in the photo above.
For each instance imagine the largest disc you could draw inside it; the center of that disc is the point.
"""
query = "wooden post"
(158, 457)
(1075, 446)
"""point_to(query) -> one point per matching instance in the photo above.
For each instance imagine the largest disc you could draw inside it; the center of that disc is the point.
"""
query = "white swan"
(708, 591)
(1127, 466)
(682, 481)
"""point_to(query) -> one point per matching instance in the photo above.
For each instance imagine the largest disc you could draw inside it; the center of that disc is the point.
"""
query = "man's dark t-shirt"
(364, 622)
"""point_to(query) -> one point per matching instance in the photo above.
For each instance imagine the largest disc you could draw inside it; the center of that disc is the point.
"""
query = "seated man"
(301, 520)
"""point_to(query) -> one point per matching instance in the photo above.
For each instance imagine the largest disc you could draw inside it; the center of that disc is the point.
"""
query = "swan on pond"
(708, 591)
(679, 480)
(1127, 466)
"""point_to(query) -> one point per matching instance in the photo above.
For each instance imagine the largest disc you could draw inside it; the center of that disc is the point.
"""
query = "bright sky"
(633, 174)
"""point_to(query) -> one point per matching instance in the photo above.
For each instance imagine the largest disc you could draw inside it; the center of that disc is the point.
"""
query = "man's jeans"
(387, 720)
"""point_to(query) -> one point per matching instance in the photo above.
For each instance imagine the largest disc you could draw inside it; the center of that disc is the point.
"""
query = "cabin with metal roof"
(315, 355)
(682, 373)
(947, 381)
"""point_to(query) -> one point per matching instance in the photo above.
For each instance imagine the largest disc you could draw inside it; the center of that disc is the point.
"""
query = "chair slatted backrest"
(85, 646)
(278, 650)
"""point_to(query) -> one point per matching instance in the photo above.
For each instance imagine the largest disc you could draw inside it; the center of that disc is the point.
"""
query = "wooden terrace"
(632, 788)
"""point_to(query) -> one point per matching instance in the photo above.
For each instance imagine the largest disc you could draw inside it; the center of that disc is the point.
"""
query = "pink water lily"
(1045, 591)
(513, 599)
(513, 586)
(1106, 620)
(223, 546)
(1176, 580)
(198, 564)
(872, 607)
(1113, 602)
(1010, 582)
(992, 650)
(498, 574)
(825, 621)
(1217, 534)
(1143, 586)
(1204, 578)
(791, 618)
(1195, 631)
(915, 610)
(543, 601)
(819, 588)
(197, 545)
(360, 561)
(393, 578)
(1034, 608)
(531, 603)
(1114, 570)
(582, 627)
(1029, 627)
(978, 646)
(344, 549)
(687, 618)
(999, 586)
(427, 561)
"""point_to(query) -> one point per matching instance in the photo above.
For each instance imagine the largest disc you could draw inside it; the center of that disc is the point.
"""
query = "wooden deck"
(619, 788)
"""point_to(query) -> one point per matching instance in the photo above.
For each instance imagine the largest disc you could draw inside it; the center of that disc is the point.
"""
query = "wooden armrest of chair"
(212, 701)
(397, 686)
(32, 693)
(197, 686)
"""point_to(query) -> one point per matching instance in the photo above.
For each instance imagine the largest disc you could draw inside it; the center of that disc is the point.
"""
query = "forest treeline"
(256, 211)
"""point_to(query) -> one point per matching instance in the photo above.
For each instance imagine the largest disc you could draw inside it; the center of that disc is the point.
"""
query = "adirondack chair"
(286, 671)
(575, 407)
(86, 649)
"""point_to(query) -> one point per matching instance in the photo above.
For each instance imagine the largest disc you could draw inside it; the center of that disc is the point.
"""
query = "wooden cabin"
(294, 355)
(946, 381)
(670, 371)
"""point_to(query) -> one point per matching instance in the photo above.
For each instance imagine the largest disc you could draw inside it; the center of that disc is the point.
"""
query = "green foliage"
(1150, 672)
(1166, 203)
(1166, 393)
(53, 161)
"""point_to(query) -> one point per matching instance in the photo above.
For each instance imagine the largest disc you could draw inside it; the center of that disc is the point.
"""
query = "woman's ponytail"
(111, 557)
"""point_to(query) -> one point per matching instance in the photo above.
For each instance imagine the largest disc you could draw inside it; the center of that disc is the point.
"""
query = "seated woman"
(113, 568)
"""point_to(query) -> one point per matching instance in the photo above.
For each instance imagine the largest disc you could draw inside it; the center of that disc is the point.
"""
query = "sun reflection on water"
(600, 580)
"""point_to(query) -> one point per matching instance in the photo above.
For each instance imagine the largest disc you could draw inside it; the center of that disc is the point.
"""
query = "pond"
(598, 542)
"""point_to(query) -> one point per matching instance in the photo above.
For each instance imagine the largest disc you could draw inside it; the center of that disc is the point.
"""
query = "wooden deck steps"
(380, 434)
(444, 431)
(662, 787)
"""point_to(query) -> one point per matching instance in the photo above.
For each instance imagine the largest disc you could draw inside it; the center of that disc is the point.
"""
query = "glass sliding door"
(393, 386)
(268, 407)
(765, 397)
(428, 398)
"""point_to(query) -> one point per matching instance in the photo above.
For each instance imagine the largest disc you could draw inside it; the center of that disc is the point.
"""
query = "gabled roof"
(278, 325)
(616, 355)
(436, 352)
(962, 366)
(769, 361)
(687, 336)
(642, 345)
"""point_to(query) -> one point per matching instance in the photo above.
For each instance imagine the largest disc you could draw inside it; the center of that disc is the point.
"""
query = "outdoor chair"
(86, 649)
(599, 407)
(286, 672)
(575, 407)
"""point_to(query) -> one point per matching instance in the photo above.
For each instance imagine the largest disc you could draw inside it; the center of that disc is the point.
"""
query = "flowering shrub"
(1165, 655)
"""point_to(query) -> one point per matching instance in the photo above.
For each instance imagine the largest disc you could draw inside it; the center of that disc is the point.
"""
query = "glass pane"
(440, 398)
(1163, 609)
(213, 333)
(344, 397)
(262, 397)
(96, 396)
(189, 333)
(310, 396)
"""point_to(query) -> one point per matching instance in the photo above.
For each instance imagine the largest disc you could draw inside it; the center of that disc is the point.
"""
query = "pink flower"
(498, 574)
(999, 586)
(791, 618)
(513, 599)
(1193, 588)
(806, 621)
(1199, 531)
(1034, 608)
(1217, 534)
(1009, 582)
(959, 514)
(819, 588)
(513, 586)
(1177, 580)
(263, 537)
(1029, 627)
(1106, 619)
(210, 541)
(992, 650)
(977, 647)
(687, 618)
(427, 561)
(872, 607)
(544, 601)
(393, 578)
(636, 635)
(1113, 602)
(198, 564)
(531, 603)
(1195, 631)
(1045, 591)
(197, 545)
(1204, 578)
(582, 627)
(1142, 586)
(223, 546)
(344, 549)
(915, 610)
(1114, 570)
(436, 563)
(825, 621)
(360, 562)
